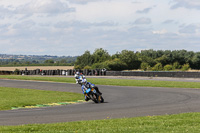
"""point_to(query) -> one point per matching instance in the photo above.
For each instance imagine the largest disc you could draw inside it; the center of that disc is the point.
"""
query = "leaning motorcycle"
(93, 95)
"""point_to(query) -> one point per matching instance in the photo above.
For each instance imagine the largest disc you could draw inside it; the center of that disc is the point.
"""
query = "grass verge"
(181, 123)
(17, 97)
(115, 82)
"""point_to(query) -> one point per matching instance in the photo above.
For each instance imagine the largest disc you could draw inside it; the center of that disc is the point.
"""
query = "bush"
(185, 67)
(115, 65)
(144, 66)
(16, 72)
(176, 65)
(157, 67)
(168, 67)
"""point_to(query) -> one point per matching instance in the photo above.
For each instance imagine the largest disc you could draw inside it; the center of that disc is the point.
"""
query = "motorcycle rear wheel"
(101, 99)
(98, 98)
(95, 98)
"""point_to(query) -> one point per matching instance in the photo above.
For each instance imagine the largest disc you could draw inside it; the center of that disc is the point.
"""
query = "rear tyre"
(99, 98)
(102, 100)
(95, 98)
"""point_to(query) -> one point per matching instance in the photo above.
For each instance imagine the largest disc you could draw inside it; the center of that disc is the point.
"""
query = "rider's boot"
(86, 98)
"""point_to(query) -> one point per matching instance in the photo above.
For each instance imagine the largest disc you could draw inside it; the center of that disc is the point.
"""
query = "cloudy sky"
(70, 27)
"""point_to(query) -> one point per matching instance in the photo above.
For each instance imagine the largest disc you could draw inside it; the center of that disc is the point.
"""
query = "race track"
(120, 102)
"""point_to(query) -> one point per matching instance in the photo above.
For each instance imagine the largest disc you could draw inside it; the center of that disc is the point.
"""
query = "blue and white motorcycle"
(93, 95)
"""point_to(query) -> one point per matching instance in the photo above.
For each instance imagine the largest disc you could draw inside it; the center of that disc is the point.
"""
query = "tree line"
(48, 62)
(147, 60)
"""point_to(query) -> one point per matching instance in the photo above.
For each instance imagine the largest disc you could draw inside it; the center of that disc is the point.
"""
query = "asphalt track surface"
(120, 102)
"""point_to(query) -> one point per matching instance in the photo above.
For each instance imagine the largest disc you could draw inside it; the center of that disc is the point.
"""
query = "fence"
(100, 72)
(155, 74)
(6, 72)
(96, 72)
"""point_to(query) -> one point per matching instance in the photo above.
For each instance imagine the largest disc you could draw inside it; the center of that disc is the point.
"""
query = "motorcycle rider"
(86, 85)
(79, 77)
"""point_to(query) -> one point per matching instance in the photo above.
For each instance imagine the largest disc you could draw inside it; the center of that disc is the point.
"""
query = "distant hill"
(8, 59)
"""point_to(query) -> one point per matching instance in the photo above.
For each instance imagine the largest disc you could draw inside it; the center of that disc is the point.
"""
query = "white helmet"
(84, 81)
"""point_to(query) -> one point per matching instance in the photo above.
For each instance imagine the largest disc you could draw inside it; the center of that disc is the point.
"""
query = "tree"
(87, 67)
(84, 60)
(164, 60)
(115, 55)
(99, 66)
(130, 59)
(100, 55)
(196, 61)
(115, 65)
(148, 60)
(50, 61)
(63, 61)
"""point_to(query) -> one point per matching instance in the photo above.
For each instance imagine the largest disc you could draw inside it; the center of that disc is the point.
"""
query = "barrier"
(155, 74)
(7, 72)
(101, 72)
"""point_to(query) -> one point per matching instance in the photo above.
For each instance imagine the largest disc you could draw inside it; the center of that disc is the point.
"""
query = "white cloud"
(163, 31)
(190, 29)
(84, 1)
(186, 4)
(110, 10)
(84, 25)
(44, 6)
(168, 21)
(37, 6)
(143, 21)
(146, 10)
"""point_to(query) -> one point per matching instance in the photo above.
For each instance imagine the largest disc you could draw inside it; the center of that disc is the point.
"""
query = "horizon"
(98, 48)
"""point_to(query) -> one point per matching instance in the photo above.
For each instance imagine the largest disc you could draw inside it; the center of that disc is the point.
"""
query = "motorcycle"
(93, 95)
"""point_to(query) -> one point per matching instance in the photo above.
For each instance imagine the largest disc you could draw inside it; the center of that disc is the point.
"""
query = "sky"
(70, 27)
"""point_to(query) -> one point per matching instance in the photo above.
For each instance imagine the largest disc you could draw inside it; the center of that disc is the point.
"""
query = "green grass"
(17, 97)
(38, 78)
(116, 82)
(145, 83)
(181, 123)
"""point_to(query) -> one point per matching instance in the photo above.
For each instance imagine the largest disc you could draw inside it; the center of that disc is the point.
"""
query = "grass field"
(179, 123)
(17, 97)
